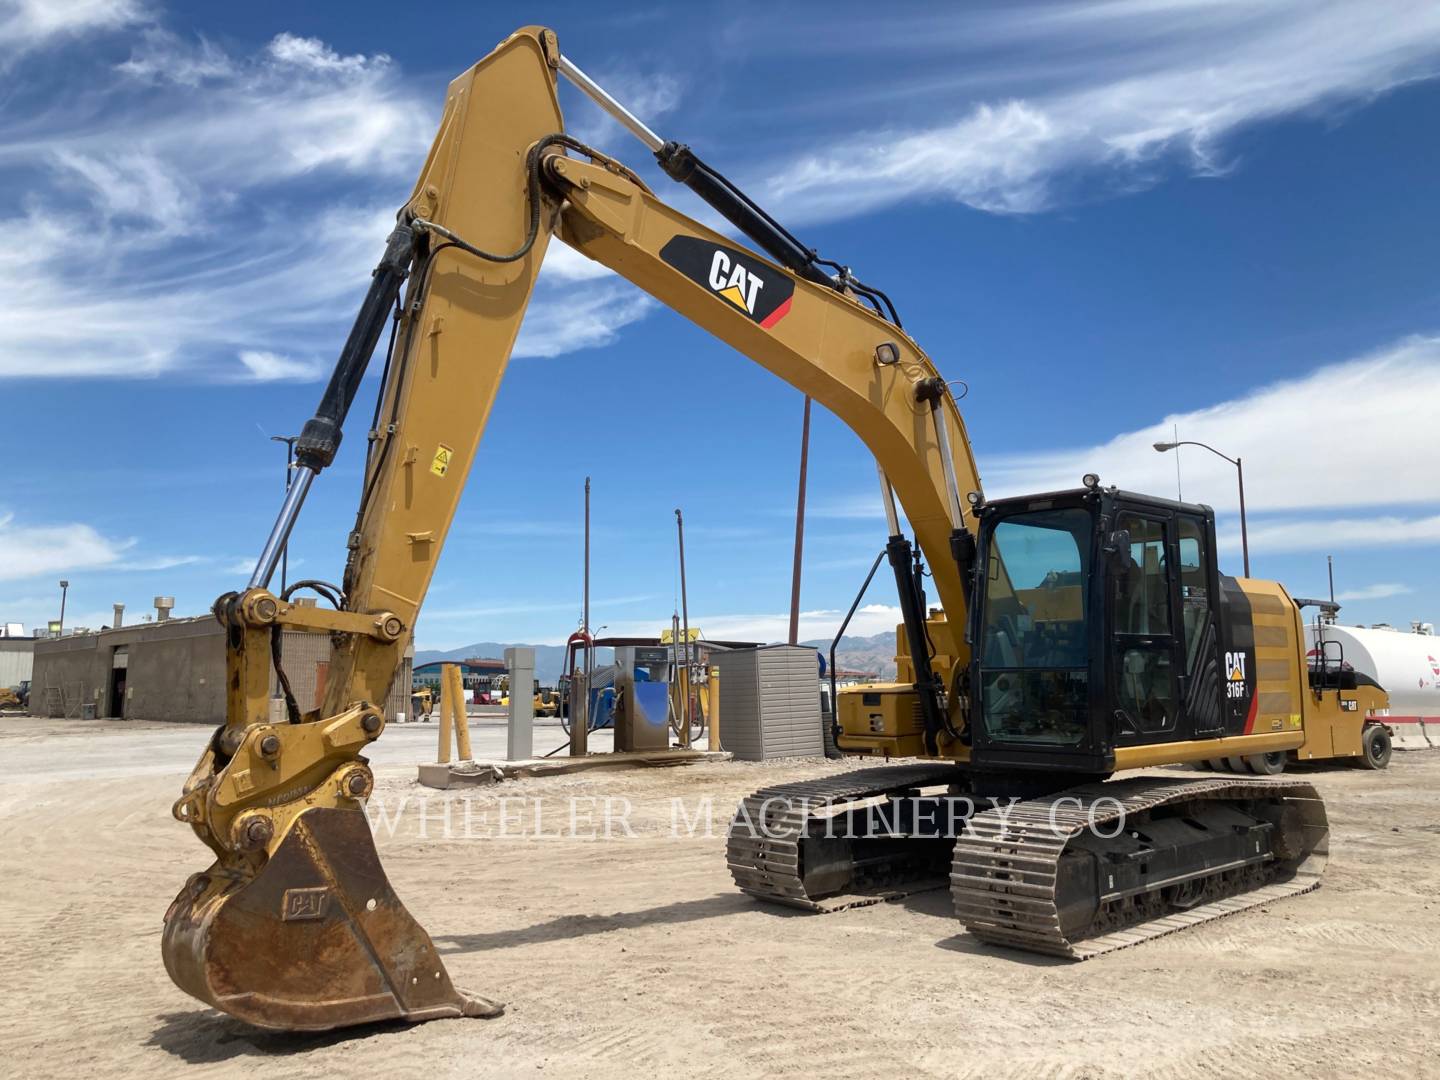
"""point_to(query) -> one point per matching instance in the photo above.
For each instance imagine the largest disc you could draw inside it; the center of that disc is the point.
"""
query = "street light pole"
(64, 588)
(289, 441)
(1162, 447)
(1244, 532)
(799, 527)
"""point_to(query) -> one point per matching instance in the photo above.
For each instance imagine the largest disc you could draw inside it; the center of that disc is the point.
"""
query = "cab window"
(1142, 591)
(1194, 589)
(1141, 621)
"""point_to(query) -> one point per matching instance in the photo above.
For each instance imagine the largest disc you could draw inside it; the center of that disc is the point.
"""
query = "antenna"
(1179, 492)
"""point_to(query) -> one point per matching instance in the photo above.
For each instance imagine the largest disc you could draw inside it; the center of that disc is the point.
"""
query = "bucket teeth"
(316, 939)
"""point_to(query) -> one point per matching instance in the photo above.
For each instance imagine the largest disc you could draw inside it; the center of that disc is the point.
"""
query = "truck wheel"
(1271, 764)
(1374, 747)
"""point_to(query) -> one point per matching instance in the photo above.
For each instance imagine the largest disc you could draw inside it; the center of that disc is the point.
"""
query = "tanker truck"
(1405, 664)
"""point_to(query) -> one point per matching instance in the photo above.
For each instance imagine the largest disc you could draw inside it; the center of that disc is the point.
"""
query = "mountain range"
(874, 654)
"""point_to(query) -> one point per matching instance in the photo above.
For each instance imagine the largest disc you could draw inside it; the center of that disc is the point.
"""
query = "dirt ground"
(634, 956)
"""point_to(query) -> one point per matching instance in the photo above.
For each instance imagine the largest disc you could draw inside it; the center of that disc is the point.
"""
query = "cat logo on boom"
(734, 282)
(756, 288)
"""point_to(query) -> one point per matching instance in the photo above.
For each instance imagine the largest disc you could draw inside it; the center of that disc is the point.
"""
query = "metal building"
(173, 670)
(477, 673)
(17, 655)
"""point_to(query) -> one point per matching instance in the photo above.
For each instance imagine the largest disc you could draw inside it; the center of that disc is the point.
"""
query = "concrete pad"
(457, 774)
(448, 774)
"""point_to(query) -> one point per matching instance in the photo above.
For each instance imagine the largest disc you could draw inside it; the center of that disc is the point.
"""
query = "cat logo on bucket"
(754, 287)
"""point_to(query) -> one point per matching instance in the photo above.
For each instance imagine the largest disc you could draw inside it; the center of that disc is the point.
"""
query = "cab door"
(1201, 692)
(1146, 639)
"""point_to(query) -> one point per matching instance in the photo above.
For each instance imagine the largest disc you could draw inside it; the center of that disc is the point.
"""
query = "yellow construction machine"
(422, 703)
(1083, 631)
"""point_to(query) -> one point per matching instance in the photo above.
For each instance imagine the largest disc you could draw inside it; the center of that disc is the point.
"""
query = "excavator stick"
(316, 940)
(294, 926)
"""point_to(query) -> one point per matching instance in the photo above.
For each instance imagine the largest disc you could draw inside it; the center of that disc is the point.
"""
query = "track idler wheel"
(1271, 764)
(316, 939)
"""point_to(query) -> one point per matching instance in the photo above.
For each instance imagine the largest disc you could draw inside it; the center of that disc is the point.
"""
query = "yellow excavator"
(1078, 633)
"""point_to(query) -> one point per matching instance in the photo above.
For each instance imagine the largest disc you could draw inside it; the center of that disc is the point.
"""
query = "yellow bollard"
(462, 719)
(712, 708)
(447, 697)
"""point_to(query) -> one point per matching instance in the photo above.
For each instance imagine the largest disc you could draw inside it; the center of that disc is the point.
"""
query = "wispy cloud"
(200, 211)
(820, 623)
(579, 320)
(651, 95)
(1334, 534)
(1159, 77)
(1382, 454)
(271, 367)
(488, 611)
(854, 507)
(216, 215)
(29, 24)
(32, 550)
(1374, 592)
(162, 562)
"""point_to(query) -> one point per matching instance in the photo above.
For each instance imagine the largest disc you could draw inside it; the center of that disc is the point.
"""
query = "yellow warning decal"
(441, 465)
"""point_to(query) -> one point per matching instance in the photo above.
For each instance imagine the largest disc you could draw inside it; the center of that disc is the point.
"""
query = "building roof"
(472, 667)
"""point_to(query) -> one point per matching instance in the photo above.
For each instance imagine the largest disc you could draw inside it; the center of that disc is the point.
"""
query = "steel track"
(1005, 865)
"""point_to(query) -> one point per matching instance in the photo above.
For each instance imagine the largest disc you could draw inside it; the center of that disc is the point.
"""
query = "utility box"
(642, 698)
(770, 704)
(520, 718)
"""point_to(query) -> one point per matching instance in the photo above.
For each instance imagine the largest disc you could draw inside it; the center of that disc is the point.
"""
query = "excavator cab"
(1093, 628)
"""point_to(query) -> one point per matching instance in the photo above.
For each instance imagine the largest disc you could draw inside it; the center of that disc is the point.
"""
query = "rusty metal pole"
(685, 627)
(579, 685)
(585, 614)
(799, 527)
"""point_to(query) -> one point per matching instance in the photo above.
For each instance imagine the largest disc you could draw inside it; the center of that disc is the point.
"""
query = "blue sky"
(1109, 218)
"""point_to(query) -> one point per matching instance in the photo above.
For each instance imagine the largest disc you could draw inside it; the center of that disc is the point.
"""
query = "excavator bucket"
(316, 939)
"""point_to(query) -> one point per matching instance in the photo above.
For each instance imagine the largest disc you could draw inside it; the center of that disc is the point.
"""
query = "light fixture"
(974, 498)
(887, 353)
(1091, 480)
